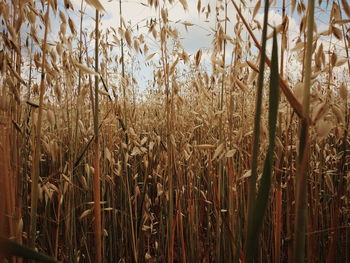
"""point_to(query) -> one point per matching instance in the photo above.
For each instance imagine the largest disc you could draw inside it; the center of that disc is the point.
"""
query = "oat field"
(174, 131)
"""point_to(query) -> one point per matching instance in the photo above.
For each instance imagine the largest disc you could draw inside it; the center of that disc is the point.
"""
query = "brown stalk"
(304, 148)
(97, 198)
(37, 149)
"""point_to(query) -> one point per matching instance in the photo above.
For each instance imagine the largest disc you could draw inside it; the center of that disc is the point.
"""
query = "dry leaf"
(246, 175)
(256, 8)
(199, 6)
(337, 32)
(339, 114)
(343, 91)
(85, 214)
(323, 128)
(230, 153)
(218, 150)
(184, 4)
(150, 56)
(51, 117)
(108, 155)
(72, 26)
(346, 7)
(85, 69)
(96, 4)
(127, 36)
(198, 57)
(135, 151)
(84, 183)
(68, 4)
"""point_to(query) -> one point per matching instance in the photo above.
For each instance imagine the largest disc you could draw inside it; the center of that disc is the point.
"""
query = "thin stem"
(97, 198)
(302, 168)
(37, 150)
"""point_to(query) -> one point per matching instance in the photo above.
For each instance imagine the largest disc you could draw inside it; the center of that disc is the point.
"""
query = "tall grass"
(188, 168)
(37, 142)
(303, 155)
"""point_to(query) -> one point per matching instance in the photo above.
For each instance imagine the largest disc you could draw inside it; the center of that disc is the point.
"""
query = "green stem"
(255, 151)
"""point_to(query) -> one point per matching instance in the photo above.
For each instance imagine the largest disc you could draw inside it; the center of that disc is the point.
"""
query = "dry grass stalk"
(161, 173)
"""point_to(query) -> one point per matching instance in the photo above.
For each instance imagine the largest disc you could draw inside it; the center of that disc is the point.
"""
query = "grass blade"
(255, 151)
(11, 248)
(261, 202)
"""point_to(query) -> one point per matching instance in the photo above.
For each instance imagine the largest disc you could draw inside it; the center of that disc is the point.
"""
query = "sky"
(198, 36)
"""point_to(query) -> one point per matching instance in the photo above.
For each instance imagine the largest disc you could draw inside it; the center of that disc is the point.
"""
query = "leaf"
(135, 151)
(204, 146)
(103, 92)
(84, 183)
(150, 146)
(339, 114)
(256, 8)
(164, 14)
(341, 62)
(230, 153)
(343, 91)
(184, 4)
(198, 57)
(293, 5)
(85, 69)
(246, 175)
(150, 56)
(85, 214)
(127, 36)
(148, 256)
(323, 128)
(159, 189)
(337, 32)
(72, 26)
(108, 155)
(346, 7)
(253, 67)
(342, 21)
(96, 4)
(68, 4)
(320, 110)
(144, 140)
(51, 117)
(11, 248)
(199, 6)
(241, 85)
(172, 140)
(259, 205)
(87, 169)
(218, 150)
(298, 46)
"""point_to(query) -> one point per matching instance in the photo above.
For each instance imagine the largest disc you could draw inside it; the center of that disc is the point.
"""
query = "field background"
(174, 131)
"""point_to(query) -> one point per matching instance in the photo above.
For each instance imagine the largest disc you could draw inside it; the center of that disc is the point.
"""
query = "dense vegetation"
(237, 152)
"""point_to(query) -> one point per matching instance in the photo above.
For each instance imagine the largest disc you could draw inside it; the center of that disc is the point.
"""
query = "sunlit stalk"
(97, 198)
(37, 145)
(303, 156)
